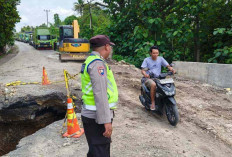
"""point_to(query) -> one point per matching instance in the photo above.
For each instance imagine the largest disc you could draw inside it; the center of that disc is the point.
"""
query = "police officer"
(100, 96)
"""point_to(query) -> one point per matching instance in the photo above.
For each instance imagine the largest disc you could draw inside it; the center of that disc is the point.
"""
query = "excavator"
(71, 47)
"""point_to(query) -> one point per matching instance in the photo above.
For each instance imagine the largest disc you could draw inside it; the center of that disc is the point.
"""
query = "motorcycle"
(164, 97)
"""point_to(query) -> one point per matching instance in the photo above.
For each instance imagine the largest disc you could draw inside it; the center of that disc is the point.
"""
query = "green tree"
(27, 28)
(57, 21)
(223, 53)
(183, 29)
(68, 20)
(93, 20)
(85, 8)
(79, 6)
(43, 25)
(8, 18)
(200, 18)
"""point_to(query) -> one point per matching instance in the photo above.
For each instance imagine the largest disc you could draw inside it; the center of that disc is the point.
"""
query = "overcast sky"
(32, 11)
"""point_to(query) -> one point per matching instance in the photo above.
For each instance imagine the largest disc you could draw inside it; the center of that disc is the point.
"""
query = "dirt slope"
(205, 127)
(205, 120)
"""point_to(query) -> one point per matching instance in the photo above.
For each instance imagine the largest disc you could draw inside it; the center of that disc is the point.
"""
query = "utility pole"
(47, 15)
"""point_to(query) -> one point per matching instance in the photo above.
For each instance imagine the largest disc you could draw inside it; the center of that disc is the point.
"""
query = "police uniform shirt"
(98, 74)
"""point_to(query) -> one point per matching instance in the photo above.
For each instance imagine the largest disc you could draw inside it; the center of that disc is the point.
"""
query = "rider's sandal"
(152, 109)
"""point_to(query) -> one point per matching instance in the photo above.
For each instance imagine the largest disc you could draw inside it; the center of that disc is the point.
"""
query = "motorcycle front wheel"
(172, 113)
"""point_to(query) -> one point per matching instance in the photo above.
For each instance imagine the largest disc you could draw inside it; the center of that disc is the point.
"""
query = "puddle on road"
(25, 118)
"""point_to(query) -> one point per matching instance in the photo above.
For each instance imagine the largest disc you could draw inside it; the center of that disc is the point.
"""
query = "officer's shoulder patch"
(83, 68)
(101, 70)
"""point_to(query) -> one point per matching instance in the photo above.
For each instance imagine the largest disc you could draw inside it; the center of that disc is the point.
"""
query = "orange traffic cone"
(73, 128)
(45, 80)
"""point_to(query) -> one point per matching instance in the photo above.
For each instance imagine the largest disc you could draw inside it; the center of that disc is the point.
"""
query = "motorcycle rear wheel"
(172, 114)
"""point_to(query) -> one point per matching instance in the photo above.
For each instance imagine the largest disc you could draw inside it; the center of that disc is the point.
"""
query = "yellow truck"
(71, 47)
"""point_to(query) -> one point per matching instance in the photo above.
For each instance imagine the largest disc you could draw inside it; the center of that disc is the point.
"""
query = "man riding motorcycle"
(153, 65)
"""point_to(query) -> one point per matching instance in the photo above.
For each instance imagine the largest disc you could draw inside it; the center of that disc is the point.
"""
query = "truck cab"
(42, 38)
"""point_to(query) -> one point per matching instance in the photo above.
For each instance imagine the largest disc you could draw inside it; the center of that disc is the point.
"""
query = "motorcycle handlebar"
(162, 75)
(171, 73)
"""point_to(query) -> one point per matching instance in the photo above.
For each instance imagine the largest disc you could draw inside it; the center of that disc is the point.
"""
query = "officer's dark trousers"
(99, 146)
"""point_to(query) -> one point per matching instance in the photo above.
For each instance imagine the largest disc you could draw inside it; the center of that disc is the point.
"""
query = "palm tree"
(86, 7)
(79, 6)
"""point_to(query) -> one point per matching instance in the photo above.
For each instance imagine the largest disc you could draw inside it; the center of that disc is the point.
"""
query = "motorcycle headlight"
(170, 93)
(167, 93)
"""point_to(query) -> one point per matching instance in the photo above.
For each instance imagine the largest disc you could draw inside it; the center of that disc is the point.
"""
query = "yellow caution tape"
(74, 97)
(18, 83)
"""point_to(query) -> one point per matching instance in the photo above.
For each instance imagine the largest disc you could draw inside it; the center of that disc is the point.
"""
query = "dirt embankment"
(12, 53)
(205, 121)
(204, 129)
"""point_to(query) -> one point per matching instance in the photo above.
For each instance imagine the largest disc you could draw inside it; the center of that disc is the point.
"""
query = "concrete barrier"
(211, 73)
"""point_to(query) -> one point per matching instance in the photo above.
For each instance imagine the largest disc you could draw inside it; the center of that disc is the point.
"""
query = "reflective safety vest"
(86, 85)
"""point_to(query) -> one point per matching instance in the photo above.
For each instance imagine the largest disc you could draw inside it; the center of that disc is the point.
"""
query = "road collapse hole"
(28, 115)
